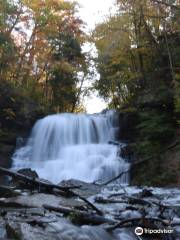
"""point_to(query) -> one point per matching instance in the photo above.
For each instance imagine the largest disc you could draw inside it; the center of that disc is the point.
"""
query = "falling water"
(69, 146)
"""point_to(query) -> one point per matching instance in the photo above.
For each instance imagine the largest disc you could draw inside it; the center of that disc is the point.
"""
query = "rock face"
(6, 152)
(127, 152)
(127, 122)
(17, 116)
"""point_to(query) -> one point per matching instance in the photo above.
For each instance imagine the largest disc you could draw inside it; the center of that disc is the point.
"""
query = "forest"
(67, 174)
(138, 63)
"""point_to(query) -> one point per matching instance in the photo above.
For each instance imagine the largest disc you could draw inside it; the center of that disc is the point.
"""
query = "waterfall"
(73, 146)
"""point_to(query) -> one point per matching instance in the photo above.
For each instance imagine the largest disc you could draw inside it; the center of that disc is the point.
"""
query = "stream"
(85, 150)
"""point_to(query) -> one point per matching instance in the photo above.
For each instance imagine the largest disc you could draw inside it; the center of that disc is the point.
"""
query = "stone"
(126, 152)
(146, 193)
(25, 231)
(2, 229)
(38, 200)
(66, 231)
(28, 172)
(8, 192)
(61, 230)
(85, 190)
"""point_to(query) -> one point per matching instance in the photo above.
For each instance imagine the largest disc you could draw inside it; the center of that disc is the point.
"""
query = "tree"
(41, 50)
(135, 52)
(138, 61)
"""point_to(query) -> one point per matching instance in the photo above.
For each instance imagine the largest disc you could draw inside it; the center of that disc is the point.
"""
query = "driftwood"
(32, 181)
(80, 216)
(134, 221)
(89, 203)
(115, 178)
(107, 201)
(47, 187)
(130, 200)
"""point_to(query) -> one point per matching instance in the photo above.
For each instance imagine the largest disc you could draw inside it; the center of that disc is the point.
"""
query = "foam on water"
(66, 146)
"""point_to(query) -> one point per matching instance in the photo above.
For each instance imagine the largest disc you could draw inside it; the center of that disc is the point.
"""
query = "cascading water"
(69, 146)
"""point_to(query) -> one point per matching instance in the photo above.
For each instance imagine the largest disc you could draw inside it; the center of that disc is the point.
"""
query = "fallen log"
(32, 181)
(139, 201)
(115, 178)
(89, 203)
(47, 187)
(108, 201)
(136, 221)
(80, 216)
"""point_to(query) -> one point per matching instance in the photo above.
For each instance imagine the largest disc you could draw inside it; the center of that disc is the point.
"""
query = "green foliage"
(18, 110)
(40, 52)
(138, 54)
(138, 61)
(155, 127)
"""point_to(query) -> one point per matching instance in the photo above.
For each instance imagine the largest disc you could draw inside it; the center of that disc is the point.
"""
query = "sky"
(93, 12)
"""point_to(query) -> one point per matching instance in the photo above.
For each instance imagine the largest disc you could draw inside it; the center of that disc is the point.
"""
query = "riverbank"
(159, 157)
(31, 212)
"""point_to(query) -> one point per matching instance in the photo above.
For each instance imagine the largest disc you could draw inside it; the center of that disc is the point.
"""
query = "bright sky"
(92, 12)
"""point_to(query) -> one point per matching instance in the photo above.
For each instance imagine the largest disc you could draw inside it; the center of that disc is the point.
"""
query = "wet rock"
(126, 152)
(25, 231)
(2, 229)
(130, 214)
(38, 200)
(45, 181)
(114, 143)
(8, 192)
(5, 211)
(67, 231)
(146, 193)
(85, 190)
(27, 217)
(61, 230)
(28, 172)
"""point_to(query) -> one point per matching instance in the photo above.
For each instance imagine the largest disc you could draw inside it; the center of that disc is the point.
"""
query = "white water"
(68, 146)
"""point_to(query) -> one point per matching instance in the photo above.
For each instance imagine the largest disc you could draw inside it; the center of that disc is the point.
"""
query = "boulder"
(28, 172)
(84, 189)
(127, 152)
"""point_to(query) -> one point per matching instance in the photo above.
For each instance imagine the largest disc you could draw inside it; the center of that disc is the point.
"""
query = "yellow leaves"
(64, 66)
(51, 5)
(10, 114)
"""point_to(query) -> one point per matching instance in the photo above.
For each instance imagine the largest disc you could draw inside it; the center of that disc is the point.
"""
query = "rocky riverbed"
(31, 212)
